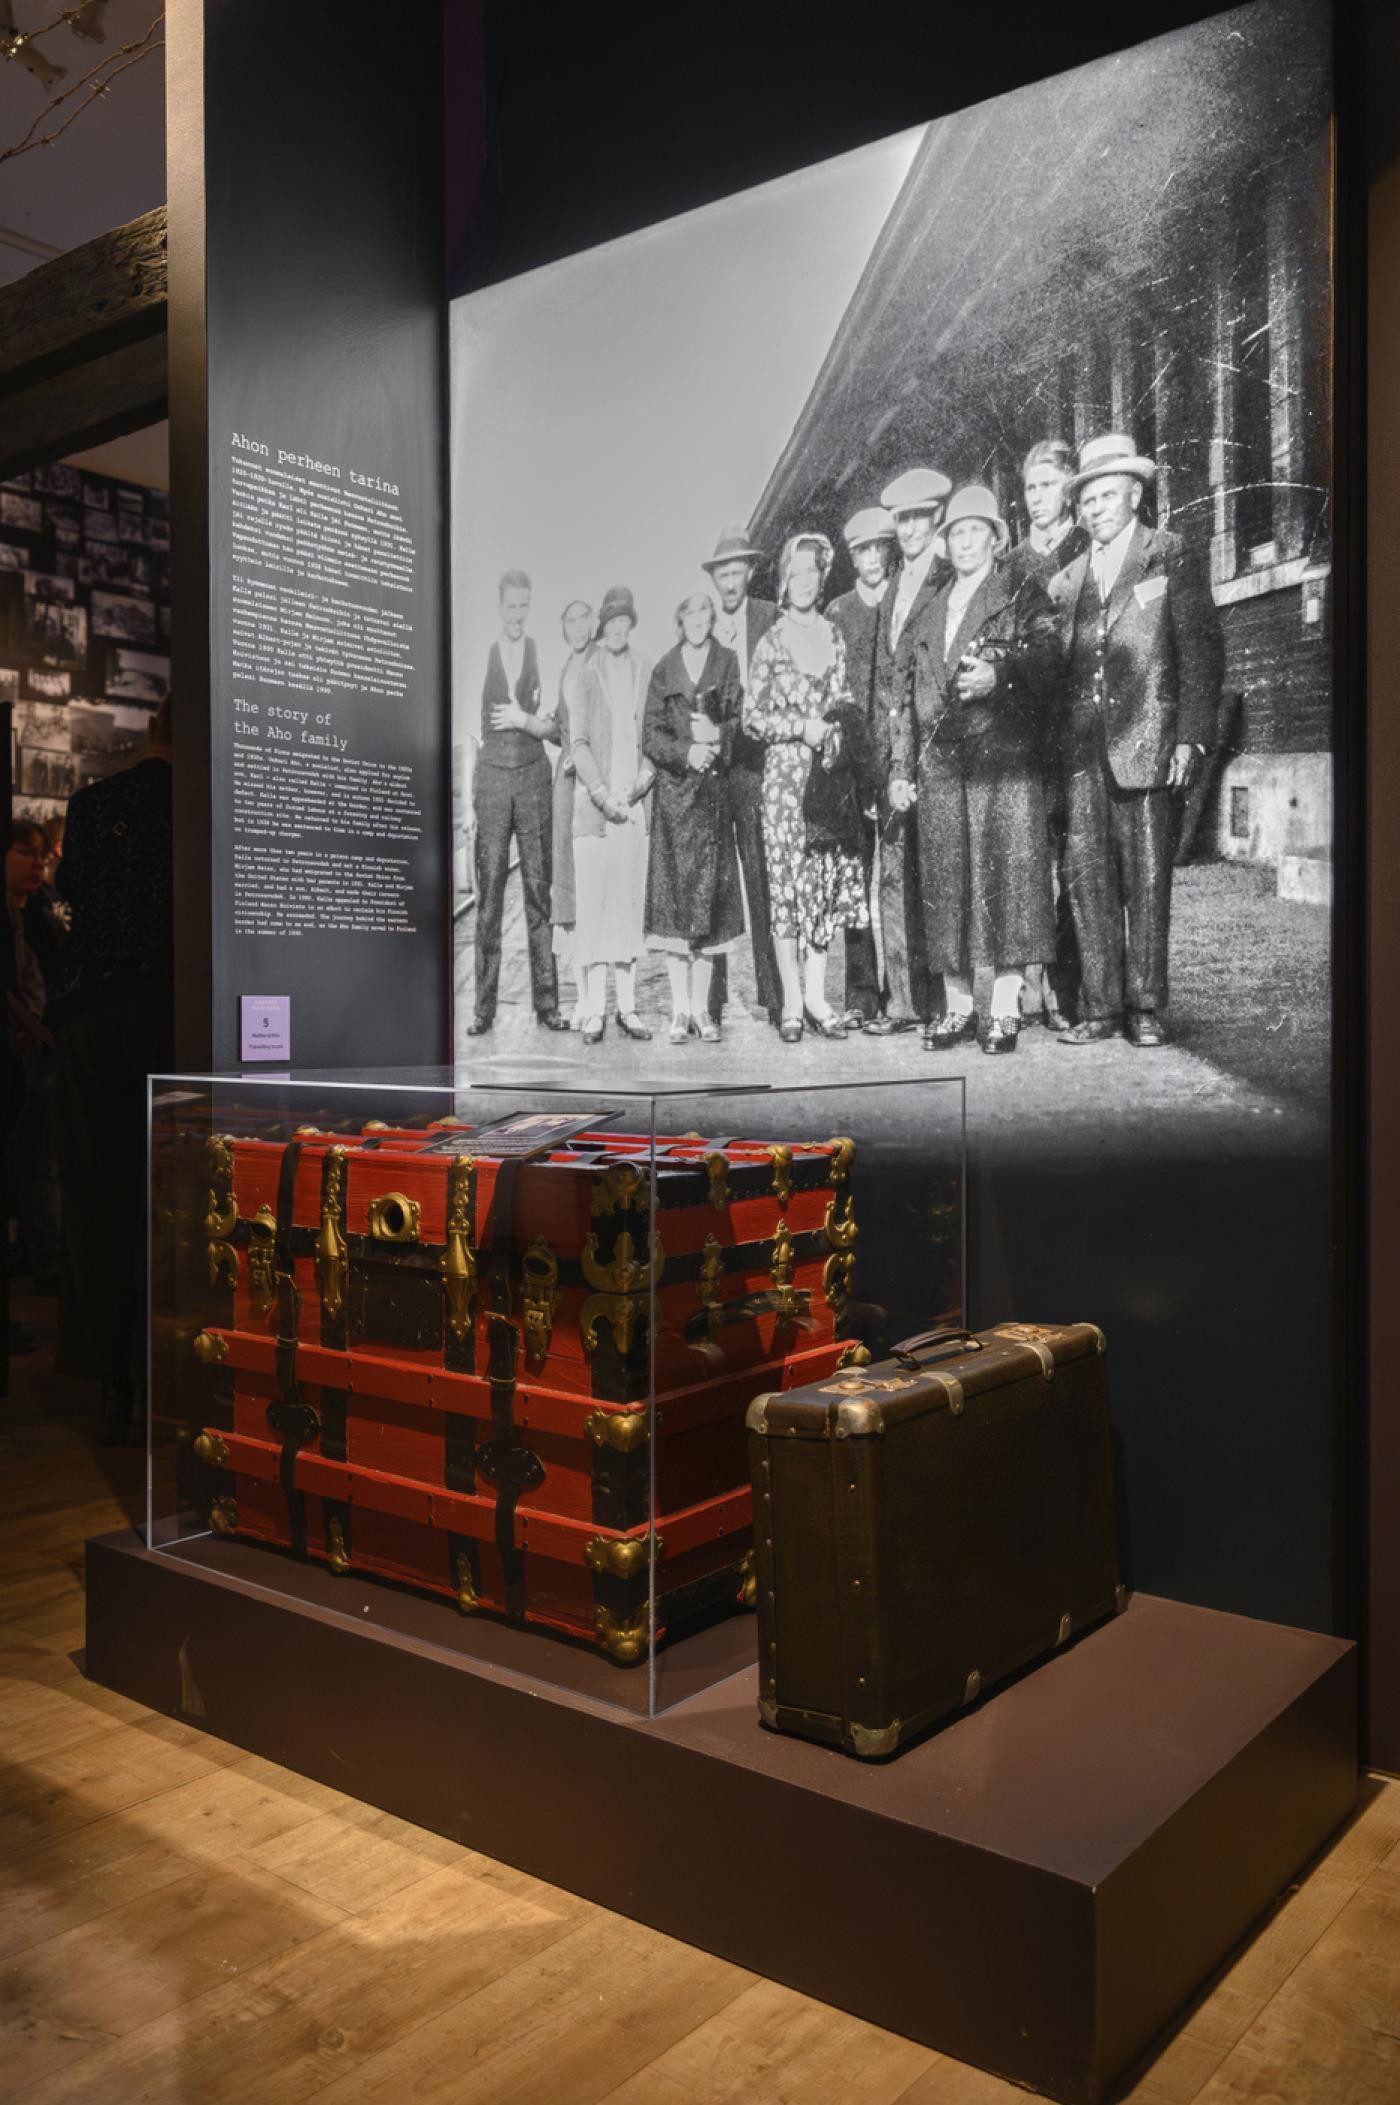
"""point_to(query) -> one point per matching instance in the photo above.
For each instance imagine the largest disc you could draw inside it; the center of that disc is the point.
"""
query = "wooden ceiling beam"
(83, 345)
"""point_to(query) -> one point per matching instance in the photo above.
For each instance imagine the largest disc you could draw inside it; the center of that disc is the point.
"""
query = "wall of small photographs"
(84, 627)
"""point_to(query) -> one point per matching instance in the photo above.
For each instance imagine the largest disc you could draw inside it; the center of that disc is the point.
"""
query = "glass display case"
(473, 1358)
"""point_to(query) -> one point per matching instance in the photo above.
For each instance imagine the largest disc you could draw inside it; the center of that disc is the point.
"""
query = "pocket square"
(1151, 588)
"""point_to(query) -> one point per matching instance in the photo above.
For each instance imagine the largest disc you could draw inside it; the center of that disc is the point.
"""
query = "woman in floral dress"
(797, 688)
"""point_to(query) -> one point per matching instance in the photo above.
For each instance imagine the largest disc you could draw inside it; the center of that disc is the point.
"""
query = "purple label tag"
(266, 1026)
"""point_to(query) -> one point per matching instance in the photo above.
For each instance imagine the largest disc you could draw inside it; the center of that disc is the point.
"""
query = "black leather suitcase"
(927, 1525)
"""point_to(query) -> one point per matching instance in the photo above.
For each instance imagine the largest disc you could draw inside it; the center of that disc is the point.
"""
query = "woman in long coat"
(970, 743)
(610, 824)
(695, 901)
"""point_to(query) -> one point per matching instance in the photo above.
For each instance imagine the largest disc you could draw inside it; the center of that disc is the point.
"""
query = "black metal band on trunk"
(506, 1463)
(294, 1421)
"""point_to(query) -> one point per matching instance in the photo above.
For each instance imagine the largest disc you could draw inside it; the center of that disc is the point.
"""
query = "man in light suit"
(1144, 659)
(916, 500)
(740, 620)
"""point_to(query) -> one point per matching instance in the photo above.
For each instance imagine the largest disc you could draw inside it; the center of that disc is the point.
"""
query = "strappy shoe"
(592, 1029)
(679, 1031)
(1000, 1034)
(632, 1025)
(950, 1029)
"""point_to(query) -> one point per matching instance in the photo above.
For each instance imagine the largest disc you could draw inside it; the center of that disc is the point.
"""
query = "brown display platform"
(1038, 1888)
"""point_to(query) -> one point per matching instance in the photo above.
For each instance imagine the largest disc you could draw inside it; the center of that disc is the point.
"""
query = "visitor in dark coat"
(694, 899)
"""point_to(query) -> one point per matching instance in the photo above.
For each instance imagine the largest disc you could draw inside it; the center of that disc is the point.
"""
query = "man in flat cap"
(870, 537)
(1143, 649)
(740, 620)
(915, 500)
(512, 797)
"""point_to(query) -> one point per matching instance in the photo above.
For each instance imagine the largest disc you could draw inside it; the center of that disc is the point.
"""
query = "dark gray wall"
(320, 238)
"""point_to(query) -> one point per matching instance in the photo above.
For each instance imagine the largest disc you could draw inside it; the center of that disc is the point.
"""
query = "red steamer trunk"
(433, 1365)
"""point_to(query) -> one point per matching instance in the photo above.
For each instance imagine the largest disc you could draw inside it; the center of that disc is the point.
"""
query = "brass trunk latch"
(332, 1254)
(458, 1260)
(784, 1293)
(540, 1293)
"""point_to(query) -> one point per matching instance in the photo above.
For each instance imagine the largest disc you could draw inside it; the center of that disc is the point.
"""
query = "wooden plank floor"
(180, 1922)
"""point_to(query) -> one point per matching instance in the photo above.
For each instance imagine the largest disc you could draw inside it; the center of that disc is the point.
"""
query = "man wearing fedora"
(1144, 657)
(740, 620)
(870, 537)
(915, 501)
(512, 796)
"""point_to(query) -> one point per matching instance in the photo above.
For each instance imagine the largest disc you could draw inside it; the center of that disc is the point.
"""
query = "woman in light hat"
(797, 689)
(610, 827)
(985, 661)
(694, 902)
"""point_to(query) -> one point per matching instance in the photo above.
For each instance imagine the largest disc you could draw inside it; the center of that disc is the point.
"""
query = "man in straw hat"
(870, 537)
(740, 620)
(915, 501)
(1143, 648)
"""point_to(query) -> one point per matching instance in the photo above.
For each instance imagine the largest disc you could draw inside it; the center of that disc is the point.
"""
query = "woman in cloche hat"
(985, 660)
(610, 827)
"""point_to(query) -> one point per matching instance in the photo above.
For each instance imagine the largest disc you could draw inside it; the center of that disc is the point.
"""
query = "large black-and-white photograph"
(891, 619)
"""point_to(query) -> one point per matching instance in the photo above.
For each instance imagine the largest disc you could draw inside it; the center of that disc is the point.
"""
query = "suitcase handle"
(906, 1352)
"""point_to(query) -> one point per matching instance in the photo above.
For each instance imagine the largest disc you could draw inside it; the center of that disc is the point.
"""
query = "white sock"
(677, 971)
(701, 973)
(957, 995)
(626, 977)
(595, 990)
(1006, 994)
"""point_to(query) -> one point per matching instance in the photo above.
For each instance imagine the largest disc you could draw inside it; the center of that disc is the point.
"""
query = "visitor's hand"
(902, 794)
(813, 732)
(618, 810)
(702, 731)
(699, 759)
(639, 789)
(1182, 766)
(508, 716)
